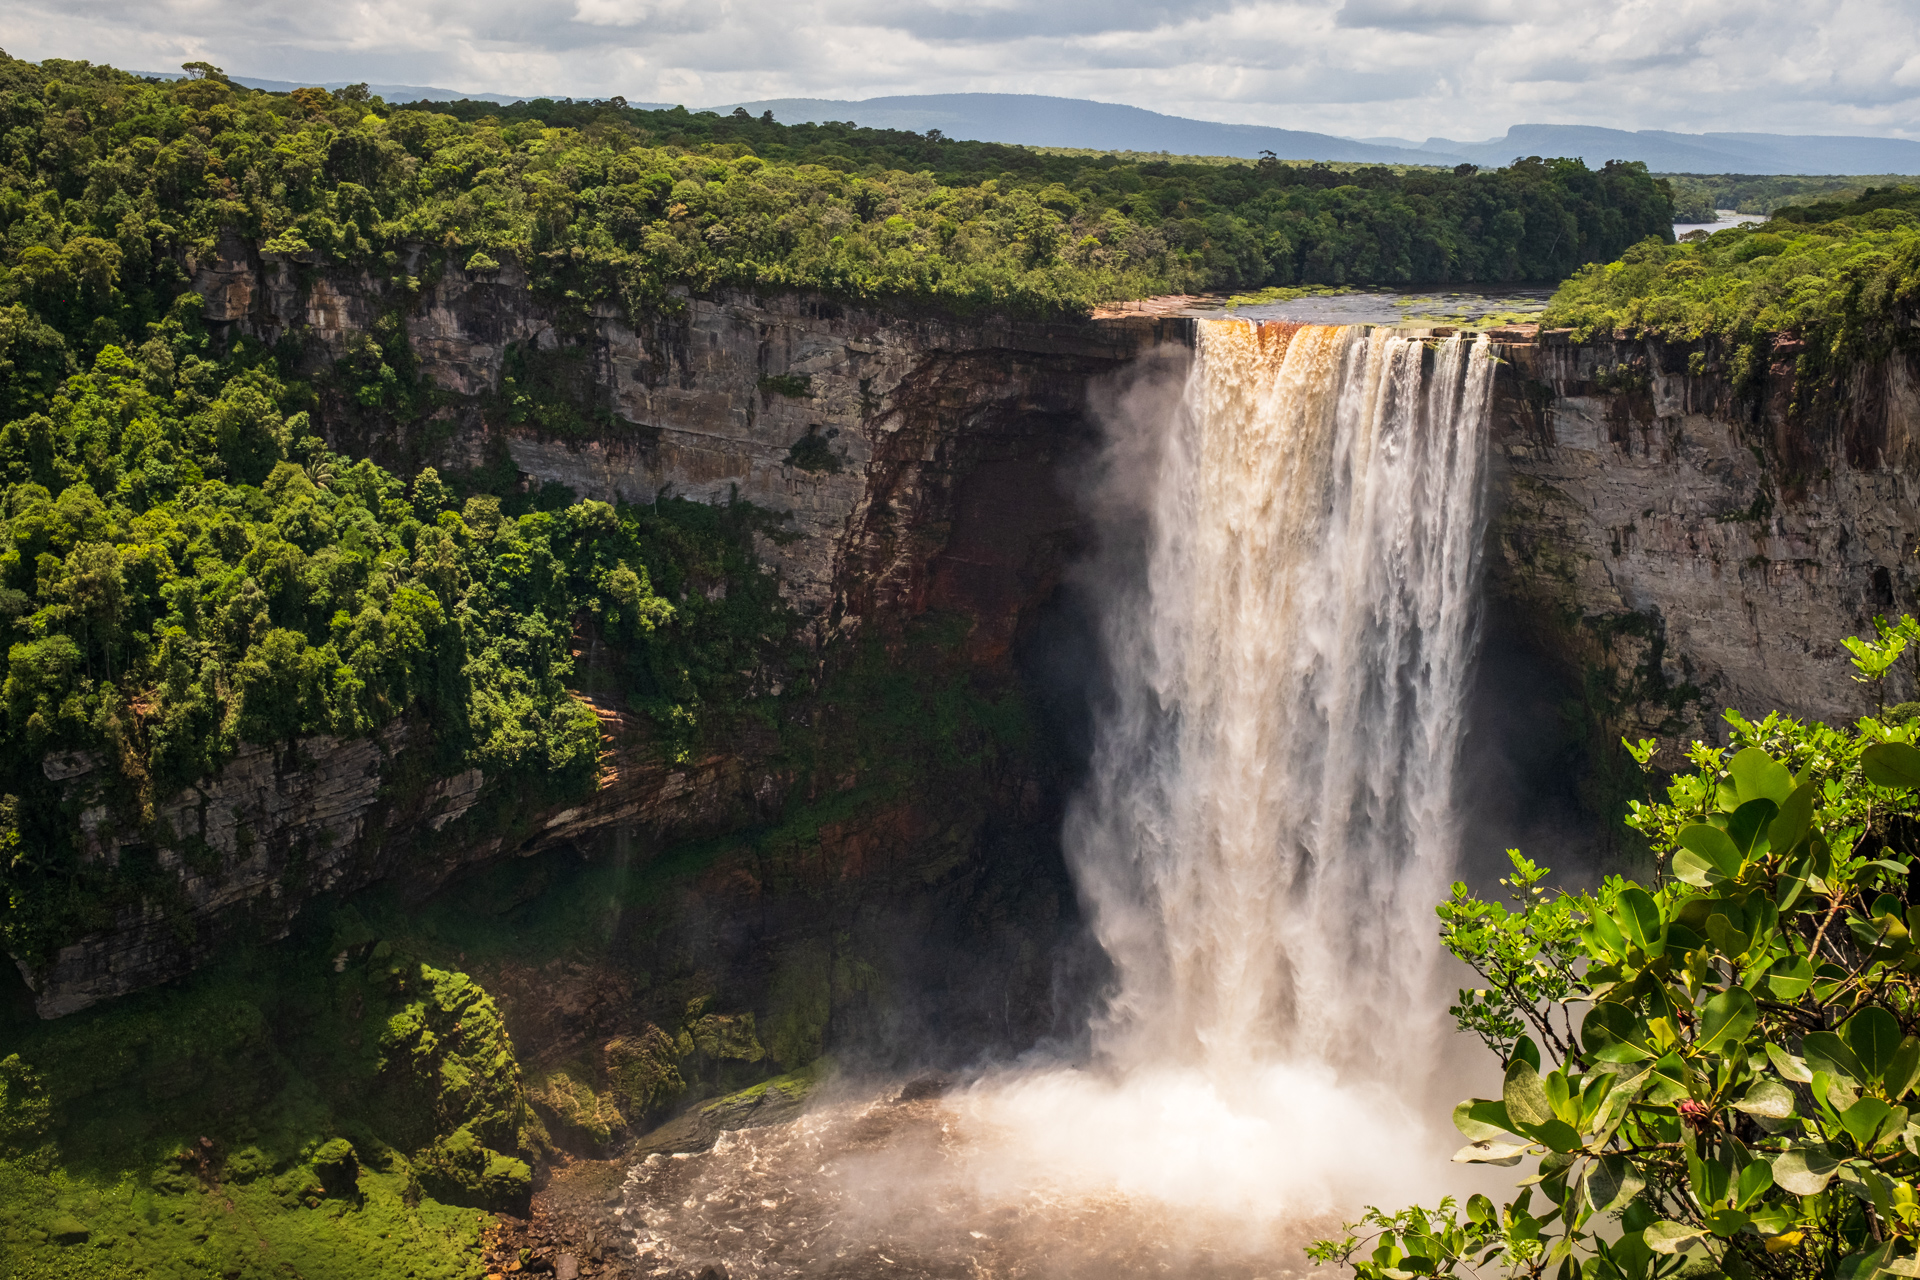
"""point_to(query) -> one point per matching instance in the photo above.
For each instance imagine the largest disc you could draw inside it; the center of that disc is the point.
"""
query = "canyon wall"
(1671, 546)
(1682, 548)
(916, 462)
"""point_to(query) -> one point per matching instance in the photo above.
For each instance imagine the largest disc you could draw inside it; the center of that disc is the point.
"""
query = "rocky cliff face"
(1685, 549)
(915, 461)
(1675, 548)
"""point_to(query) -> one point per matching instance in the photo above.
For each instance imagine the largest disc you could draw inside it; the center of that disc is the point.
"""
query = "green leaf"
(1727, 1222)
(1495, 1153)
(1639, 918)
(1864, 1265)
(1865, 1120)
(1805, 1170)
(1758, 775)
(1790, 977)
(1827, 1052)
(1874, 1036)
(1479, 1119)
(1732, 942)
(1794, 1069)
(1786, 832)
(1665, 1236)
(1726, 1019)
(1746, 824)
(1555, 1134)
(1525, 1096)
(1767, 1098)
(1713, 844)
(1753, 1182)
(1611, 1181)
(1903, 1070)
(1891, 764)
(1695, 870)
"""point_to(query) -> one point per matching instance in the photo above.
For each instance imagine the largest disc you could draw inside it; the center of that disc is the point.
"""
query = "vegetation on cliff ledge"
(1838, 274)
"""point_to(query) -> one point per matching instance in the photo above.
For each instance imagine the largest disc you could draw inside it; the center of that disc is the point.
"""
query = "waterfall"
(1269, 818)
(1287, 601)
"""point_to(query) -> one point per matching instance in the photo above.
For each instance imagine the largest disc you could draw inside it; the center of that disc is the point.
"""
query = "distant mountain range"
(1666, 152)
(1073, 122)
(1040, 121)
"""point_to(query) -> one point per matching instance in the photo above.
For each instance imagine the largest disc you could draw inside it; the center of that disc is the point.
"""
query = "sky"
(1410, 68)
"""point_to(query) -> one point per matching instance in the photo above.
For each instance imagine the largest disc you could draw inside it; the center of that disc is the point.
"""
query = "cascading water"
(1270, 818)
(1267, 824)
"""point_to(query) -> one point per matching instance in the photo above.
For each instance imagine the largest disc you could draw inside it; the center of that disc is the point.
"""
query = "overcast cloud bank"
(1407, 68)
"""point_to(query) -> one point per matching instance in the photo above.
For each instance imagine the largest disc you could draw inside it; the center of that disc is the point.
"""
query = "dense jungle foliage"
(1697, 194)
(116, 181)
(1837, 274)
(1714, 1070)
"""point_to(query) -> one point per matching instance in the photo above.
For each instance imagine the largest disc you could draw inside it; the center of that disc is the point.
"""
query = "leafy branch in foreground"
(1737, 1097)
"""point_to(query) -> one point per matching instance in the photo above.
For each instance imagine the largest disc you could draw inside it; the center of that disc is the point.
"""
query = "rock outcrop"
(1684, 549)
(915, 459)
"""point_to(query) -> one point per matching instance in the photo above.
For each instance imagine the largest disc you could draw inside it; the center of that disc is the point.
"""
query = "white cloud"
(1458, 68)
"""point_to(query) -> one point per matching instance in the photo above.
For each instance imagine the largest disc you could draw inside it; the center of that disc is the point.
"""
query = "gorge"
(966, 488)
(567, 670)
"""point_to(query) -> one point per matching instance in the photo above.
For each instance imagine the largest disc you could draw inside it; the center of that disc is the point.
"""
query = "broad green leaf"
(1695, 870)
(1901, 1266)
(1796, 818)
(1727, 1222)
(1611, 1181)
(1805, 1171)
(1667, 1081)
(1863, 1119)
(1726, 1019)
(1732, 942)
(1670, 1237)
(1874, 1036)
(1825, 1051)
(1495, 1153)
(1525, 1096)
(1864, 1265)
(1794, 1069)
(1758, 775)
(1891, 764)
(1753, 1182)
(1744, 827)
(1903, 1070)
(1713, 844)
(1525, 1050)
(1772, 1219)
(1480, 1208)
(1790, 977)
(1479, 1119)
(1639, 918)
(1555, 1134)
(1767, 1098)
(1608, 1023)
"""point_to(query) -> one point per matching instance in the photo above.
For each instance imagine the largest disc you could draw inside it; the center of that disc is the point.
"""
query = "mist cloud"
(1457, 68)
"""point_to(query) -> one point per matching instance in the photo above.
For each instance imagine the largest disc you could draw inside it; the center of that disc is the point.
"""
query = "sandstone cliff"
(915, 460)
(1686, 549)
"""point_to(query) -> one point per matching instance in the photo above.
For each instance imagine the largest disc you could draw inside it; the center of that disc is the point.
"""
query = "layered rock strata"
(1686, 549)
(916, 462)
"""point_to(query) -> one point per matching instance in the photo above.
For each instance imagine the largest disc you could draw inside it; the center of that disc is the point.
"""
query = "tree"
(1739, 1092)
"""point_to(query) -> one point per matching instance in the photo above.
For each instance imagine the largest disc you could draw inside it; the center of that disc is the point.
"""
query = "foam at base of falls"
(1049, 1172)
